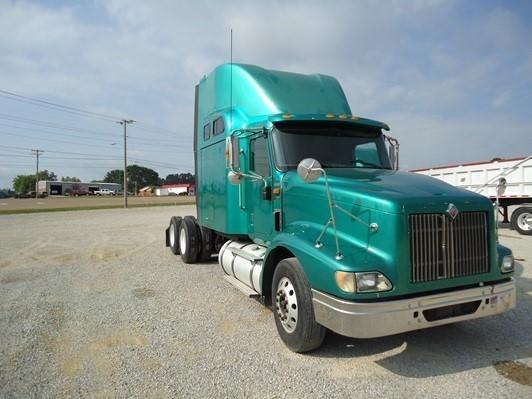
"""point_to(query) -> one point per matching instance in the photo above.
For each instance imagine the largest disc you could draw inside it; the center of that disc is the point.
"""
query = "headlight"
(372, 282)
(362, 282)
(507, 265)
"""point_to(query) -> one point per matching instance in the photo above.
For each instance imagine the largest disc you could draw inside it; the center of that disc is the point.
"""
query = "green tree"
(138, 177)
(23, 183)
(180, 178)
(71, 178)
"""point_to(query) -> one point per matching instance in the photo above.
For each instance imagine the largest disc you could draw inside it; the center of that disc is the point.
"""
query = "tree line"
(138, 177)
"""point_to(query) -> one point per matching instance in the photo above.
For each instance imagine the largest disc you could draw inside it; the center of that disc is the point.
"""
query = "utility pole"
(37, 153)
(125, 122)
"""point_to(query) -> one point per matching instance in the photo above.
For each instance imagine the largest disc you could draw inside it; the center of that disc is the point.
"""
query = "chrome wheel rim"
(524, 221)
(286, 305)
(182, 241)
(172, 234)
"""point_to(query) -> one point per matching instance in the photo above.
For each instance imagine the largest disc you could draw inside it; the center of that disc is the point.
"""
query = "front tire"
(522, 220)
(292, 308)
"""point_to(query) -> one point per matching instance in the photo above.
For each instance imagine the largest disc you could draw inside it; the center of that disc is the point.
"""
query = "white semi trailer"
(512, 176)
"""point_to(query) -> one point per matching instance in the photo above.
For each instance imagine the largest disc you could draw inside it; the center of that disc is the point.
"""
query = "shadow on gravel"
(451, 348)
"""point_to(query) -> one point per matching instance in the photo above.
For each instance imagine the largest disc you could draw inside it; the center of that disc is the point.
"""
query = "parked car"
(105, 191)
(30, 194)
(77, 193)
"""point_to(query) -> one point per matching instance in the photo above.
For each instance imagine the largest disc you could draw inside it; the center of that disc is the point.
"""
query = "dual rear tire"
(193, 242)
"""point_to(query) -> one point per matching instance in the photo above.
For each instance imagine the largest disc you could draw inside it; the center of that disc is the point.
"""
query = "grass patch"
(88, 208)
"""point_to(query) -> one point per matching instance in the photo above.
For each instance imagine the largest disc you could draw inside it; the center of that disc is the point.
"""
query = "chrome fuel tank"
(243, 261)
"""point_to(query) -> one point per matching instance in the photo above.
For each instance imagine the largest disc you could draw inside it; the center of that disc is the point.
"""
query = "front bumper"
(378, 319)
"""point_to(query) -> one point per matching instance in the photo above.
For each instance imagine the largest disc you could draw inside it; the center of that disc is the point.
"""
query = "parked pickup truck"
(305, 206)
(105, 191)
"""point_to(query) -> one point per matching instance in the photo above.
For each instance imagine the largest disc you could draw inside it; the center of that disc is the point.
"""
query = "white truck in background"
(512, 176)
(105, 191)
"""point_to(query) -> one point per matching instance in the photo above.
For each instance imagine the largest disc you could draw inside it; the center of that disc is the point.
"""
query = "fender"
(319, 265)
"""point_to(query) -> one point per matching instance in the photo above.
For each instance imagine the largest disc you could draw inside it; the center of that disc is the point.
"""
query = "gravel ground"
(93, 305)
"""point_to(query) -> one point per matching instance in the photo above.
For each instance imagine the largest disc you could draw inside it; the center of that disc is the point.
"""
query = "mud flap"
(167, 236)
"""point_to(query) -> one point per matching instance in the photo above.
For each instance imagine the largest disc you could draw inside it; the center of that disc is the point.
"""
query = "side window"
(259, 157)
(218, 126)
(207, 131)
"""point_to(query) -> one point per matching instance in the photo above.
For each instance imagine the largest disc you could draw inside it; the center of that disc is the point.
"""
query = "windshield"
(339, 145)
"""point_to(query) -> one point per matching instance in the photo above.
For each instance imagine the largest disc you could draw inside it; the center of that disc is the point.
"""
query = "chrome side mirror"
(232, 151)
(309, 170)
(501, 187)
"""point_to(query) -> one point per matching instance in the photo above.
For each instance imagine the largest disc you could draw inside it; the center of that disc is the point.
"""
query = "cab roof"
(263, 94)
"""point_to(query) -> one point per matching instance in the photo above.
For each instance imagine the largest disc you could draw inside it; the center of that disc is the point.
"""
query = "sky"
(453, 79)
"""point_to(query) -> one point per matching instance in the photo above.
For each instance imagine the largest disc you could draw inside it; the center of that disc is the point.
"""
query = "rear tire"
(522, 220)
(189, 240)
(173, 234)
(292, 308)
(207, 243)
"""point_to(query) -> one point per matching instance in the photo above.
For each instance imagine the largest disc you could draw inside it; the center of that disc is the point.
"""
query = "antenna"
(231, 83)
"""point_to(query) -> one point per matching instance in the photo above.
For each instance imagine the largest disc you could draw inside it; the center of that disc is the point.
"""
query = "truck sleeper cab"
(307, 211)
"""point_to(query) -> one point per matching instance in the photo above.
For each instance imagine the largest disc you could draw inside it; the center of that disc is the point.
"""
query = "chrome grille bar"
(441, 248)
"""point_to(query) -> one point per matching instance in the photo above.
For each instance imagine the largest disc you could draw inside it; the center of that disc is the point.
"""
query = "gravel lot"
(93, 305)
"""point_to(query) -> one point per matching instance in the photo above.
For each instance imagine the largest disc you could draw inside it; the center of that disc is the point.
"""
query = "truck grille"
(441, 248)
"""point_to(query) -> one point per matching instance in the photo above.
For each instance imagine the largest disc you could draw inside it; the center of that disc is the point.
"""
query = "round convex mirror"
(234, 178)
(309, 170)
(501, 186)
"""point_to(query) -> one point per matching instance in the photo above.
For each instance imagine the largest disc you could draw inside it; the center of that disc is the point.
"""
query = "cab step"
(241, 287)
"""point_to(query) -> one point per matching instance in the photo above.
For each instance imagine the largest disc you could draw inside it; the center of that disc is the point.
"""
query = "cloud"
(436, 71)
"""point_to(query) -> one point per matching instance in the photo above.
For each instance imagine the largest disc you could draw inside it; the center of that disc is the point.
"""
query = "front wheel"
(292, 308)
(522, 220)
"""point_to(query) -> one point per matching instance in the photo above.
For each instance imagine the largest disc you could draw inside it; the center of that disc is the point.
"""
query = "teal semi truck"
(305, 206)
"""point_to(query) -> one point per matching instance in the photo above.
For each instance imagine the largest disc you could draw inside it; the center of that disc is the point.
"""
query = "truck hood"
(386, 190)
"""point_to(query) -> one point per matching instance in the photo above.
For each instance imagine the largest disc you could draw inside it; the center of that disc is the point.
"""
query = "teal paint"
(260, 99)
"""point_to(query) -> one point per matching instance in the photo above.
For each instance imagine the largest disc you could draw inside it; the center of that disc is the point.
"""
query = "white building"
(64, 187)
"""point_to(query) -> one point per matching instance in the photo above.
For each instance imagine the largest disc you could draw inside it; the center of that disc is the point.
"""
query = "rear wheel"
(207, 243)
(173, 230)
(292, 308)
(189, 240)
(522, 220)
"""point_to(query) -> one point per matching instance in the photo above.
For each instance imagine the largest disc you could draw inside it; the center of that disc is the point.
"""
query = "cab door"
(258, 193)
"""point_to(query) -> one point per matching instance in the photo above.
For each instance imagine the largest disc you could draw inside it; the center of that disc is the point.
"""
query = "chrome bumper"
(378, 319)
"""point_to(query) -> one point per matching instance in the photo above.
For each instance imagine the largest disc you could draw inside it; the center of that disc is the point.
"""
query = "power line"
(85, 137)
(55, 140)
(57, 107)
(76, 111)
(53, 125)
(76, 129)
(135, 159)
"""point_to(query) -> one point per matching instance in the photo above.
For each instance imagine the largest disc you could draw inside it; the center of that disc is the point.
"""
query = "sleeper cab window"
(218, 126)
(207, 131)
